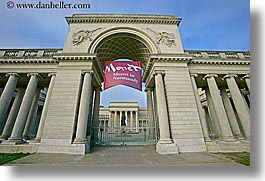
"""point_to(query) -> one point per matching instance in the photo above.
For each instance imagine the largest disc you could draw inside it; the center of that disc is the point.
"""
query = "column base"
(245, 141)
(14, 141)
(36, 140)
(3, 137)
(239, 138)
(167, 148)
(80, 141)
(25, 137)
(165, 141)
(79, 149)
(247, 138)
(228, 139)
(207, 139)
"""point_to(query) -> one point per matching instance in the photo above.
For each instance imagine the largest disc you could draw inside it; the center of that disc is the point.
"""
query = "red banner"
(124, 73)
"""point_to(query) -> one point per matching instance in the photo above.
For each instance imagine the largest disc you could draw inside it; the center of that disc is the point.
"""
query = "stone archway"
(93, 39)
(127, 44)
(131, 44)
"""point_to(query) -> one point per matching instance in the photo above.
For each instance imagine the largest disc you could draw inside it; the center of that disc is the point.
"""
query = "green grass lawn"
(7, 157)
(242, 158)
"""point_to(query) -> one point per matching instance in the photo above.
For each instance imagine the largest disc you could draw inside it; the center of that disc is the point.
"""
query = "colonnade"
(131, 118)
(226, 115)
(157, 111)
(19, 121)
(23, 116)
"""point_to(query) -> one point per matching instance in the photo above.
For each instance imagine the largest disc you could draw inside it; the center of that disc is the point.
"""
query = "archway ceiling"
(122, 45)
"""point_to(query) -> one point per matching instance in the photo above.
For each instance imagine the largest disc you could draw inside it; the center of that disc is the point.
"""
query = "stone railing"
(218, 54)
(28, 53)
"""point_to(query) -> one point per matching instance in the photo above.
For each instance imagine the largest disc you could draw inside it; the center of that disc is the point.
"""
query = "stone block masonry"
(62, 113)
(184, 120)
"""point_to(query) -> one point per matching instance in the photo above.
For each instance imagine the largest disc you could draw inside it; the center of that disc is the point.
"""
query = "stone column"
(231, 115)
(32, 112)
(92, 98)
(45, 107)
(96, 107)
(213, 116)
(115, 119)
(247, 80)
(245, 100)
(110, 120)
(226, 131)
(150, 112)
(199, 107)
(95, 116)
(136, 121)
(131, 119)
(7, 94)
(84, 109)
(13, 114)
(209, 122)
(16, 136)
(126, 118)
(240, 106)
(120, 118)
(165, 144)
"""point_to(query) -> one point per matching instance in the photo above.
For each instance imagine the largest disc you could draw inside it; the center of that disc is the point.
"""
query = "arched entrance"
(94, 39)
(121, 125)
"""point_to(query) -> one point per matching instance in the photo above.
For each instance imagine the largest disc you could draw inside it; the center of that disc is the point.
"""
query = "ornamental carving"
(164, 38)
(82, 36)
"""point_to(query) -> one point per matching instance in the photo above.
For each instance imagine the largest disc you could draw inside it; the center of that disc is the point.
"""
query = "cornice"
(165, 58)
(74, 56)
(220, 62)
(27, 61)
(142, 19)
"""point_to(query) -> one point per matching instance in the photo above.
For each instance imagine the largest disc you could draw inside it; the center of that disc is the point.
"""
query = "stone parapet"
(204, 54)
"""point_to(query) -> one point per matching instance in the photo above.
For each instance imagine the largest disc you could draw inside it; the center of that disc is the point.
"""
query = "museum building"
(197, 100)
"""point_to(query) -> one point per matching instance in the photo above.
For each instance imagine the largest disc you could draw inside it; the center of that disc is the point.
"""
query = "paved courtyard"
(124, 156)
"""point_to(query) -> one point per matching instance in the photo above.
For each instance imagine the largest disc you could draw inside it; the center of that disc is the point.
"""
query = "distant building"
(135, 117)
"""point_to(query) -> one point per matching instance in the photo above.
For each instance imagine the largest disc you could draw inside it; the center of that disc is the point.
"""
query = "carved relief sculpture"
(164, 37)
(82, 36)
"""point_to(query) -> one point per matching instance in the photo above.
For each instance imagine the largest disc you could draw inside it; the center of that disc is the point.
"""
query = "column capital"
(194, 75)
(33, 74)
(247, 76)
(209, 76)
(229, 76)
(51, 74)
(12, 74)
(156, 72)
(85, 71)
(149, 89)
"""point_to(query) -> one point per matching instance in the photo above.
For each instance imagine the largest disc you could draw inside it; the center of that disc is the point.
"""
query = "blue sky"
(206, 25)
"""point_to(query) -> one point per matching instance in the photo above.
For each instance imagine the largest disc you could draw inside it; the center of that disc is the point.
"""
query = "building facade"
(135, 117)
(197, 100)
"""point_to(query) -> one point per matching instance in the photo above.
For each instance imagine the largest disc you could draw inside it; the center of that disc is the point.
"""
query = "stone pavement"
(124, 156)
